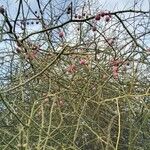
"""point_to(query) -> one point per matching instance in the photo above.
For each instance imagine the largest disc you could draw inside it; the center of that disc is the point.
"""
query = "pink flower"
(102, 13)
(97, 17)
(124, 68)
(111, 41)
(107, 19)
(115, 68)
(79, 16)
(82, 62)
(115, 72)
(115, 62)
(18, 49)
(31, 55)
(76, 16)
(94, 28)
(72, 68)
(115, 75)
(61, 34)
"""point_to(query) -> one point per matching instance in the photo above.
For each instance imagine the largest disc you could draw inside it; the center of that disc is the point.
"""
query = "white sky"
(107, 4)
(112, 5)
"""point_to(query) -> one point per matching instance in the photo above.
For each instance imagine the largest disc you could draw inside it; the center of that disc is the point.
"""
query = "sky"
(112, 5)
(107, 4)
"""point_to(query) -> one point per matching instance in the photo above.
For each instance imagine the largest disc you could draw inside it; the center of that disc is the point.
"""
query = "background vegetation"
(78, 81)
